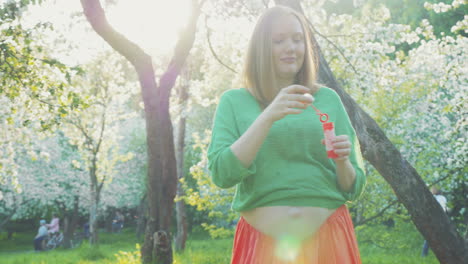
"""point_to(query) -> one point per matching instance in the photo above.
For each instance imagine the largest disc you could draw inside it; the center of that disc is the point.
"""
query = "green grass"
(20, 250)
(206, 251)
(378, 245)
(401, 244)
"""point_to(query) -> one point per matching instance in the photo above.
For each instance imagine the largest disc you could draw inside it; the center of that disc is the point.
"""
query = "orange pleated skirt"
(334, 243)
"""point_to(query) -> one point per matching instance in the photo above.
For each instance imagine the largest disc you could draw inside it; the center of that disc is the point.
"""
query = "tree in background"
(182, 93)
(94, 130)
(162, 176)
(37, 97)
(33, 95)
(48, 180)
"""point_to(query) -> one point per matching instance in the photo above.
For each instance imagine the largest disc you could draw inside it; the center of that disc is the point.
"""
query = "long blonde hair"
(259, 74)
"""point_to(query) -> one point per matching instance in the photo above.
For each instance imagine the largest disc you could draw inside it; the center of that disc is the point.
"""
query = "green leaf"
(26, 122)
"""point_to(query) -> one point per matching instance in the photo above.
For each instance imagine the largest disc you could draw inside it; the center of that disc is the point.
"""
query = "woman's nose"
(290, 45)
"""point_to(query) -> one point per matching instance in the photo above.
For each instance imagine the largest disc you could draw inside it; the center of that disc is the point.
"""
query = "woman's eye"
(277, 41)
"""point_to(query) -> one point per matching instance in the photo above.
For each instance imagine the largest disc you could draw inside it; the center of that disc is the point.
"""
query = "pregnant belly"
(287, 221)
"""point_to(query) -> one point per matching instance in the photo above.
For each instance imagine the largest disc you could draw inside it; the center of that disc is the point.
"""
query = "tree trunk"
(109, 219)
(5, 221)
(162, 175)
(93, 217)
(141, 220)
(181, 236)
(10, 233)
(408, 186)
(70, 223)
(162, 252)
(94, 202)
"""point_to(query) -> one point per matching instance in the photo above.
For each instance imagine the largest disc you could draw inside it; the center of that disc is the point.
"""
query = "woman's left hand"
(342, 147)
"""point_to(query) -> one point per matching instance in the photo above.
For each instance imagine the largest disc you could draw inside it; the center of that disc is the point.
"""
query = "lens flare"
(287, 248)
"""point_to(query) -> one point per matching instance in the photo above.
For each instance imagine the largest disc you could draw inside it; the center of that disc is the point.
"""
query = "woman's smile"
(288, 60)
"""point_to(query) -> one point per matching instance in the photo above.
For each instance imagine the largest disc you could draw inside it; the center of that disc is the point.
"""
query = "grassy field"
(122, 249)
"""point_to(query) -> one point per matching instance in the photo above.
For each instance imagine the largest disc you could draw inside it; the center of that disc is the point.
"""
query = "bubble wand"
(328, 131)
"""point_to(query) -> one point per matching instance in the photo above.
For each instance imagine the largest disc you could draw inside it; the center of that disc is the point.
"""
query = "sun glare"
(153, 24)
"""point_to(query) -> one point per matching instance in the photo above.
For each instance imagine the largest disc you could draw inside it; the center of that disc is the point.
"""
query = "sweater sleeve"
(226, 169)
(344, 127)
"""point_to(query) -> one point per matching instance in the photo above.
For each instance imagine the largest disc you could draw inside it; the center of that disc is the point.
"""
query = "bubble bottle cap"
(328, 126)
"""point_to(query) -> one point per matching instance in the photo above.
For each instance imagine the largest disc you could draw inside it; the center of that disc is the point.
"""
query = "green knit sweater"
(291, 168)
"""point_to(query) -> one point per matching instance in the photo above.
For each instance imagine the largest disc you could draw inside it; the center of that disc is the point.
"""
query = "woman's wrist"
(343, 162)
(265, 119)
(346, 174)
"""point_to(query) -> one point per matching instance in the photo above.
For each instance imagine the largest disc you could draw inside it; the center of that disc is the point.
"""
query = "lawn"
(122, 249)
(113, 249)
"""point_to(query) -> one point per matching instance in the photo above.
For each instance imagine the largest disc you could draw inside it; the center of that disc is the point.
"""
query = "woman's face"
(288, 47)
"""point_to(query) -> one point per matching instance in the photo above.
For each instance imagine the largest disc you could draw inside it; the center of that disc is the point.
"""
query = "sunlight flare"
(152, 24)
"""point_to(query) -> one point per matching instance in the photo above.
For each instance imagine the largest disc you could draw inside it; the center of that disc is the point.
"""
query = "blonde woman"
(267, 142)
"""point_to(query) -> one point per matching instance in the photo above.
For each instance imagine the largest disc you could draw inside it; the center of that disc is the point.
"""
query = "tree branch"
(252, 14)
(98, 20)
(181, 51)
(103, 128)
(333, 44)
(17, 78)
(208, 33)
(380, 213)
(89, 141)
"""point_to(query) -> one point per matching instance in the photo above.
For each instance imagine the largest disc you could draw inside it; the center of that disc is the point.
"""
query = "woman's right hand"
(286, 102)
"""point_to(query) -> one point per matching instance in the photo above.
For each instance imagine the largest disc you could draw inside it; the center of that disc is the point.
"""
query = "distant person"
(41, 235)
(86, 229)
(443, 203)
(118, 222)
(54, 226)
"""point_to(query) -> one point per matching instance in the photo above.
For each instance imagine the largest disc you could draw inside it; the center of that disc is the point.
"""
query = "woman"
(54, 226)
(268, 142)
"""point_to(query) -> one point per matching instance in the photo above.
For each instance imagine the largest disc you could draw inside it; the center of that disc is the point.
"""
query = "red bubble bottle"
(328, 132)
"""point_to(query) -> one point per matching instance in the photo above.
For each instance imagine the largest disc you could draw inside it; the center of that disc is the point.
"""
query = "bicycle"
(77, 239)
(53, 241)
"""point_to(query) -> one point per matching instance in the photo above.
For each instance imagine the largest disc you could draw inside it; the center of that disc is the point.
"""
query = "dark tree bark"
(9, 215)
(181, 215)
(162, 176)
(109, 219)
(10, 234)
(408, 186)
(142, 215)
(93, 210)
(70, 223)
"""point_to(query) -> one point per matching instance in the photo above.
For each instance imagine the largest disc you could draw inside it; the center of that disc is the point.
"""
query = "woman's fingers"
(290, 100)
(340, 139)
(300, 98)
(296, 89)
(342, 152)
(292, 111)
(342, 146)
(294, 104)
